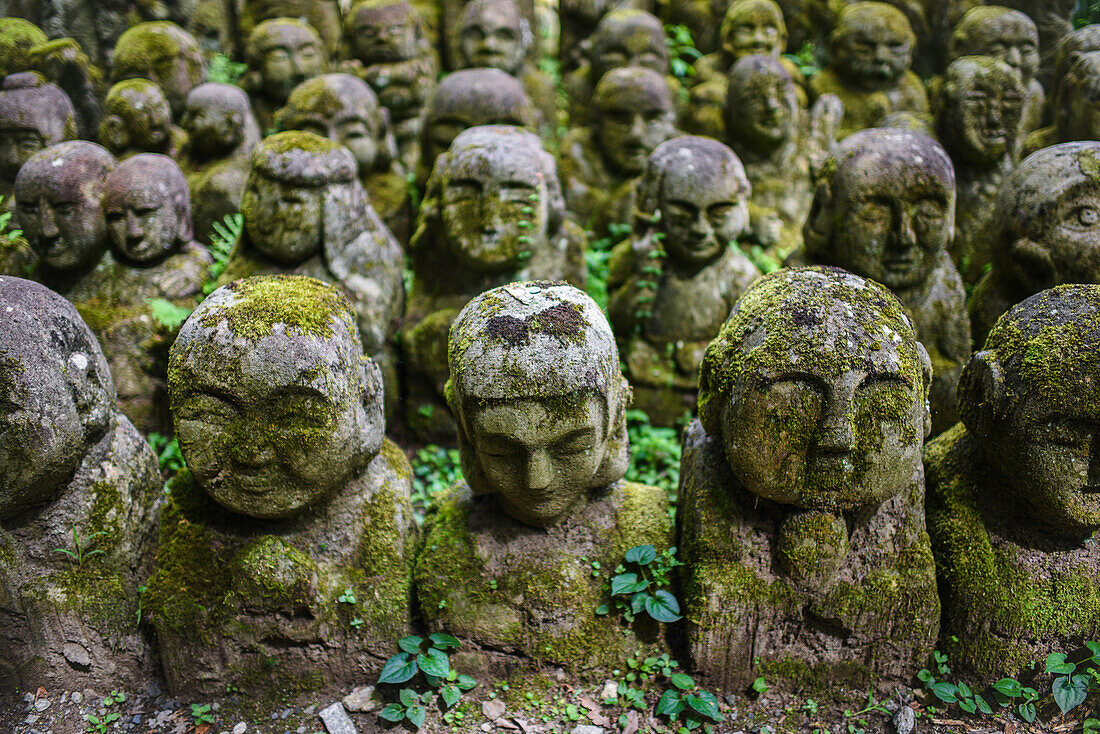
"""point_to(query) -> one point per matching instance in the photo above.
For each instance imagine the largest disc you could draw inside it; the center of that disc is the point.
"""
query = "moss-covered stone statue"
(1076, 107)
(63, 62)
(75, 475)
(221, 132)
(1009, 36)
(779, 144)
(540, 404)
(164, 53)
(632, 112)
(58, 193)
(979, 118)
(1013, 504)
(871, 51)
(493, 213)
(389, 50)
(281, 54)
(884, 210)
(469, 98)
(322, 15)
(578, 20)
(34, 114)
(305, 212)
(342, 108)
(152, 256)
(17, 37)
(801, 513)
(673, 283)
(1047, 231)
(494, 34)
(286, 549)
(138, 119)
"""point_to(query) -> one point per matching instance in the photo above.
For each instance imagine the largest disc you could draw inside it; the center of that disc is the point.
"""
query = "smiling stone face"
(1005, 34)
(147, 209)
(872, 45)
(285, 53)
(753, 27)
(761, 109)
(983, 109)
(382, 31)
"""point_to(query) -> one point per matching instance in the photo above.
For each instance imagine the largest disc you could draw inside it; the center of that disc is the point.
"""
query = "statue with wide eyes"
(290, 497)
(539, 400)
(802, 491)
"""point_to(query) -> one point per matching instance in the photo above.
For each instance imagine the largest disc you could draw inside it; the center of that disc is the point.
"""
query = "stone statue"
(63, 62)
(58, 195)
(76, 475)
(34, 114)
(469, 98)
(801, 515)
(322, 15)
(138, 119)
(305, 212)
(1009, 36)
(1076, 106)
(292, 501)
(281, 54)
(148, 213)
(164, 53)
(632, 112)
(540, 404)
(884, 210)
(494, 34)
(1046, 233)
(673, 283)
(871, 50)
(979, 119)
(221, 132)
(17, 38)
(1012, 499)
(493, 213)
(342, 108)
(578, 20)
(390, 52)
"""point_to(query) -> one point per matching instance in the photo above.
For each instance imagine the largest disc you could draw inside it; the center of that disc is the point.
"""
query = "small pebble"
(77, 697)
(610, 690)
(905, 721)
(28, 697)
(493, 710)
(41, 704)
(285, 713)
(240, 728)
(587, 729)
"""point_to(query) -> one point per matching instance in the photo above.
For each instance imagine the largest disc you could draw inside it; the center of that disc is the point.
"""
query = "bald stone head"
(148, 210)
(817, 388)
(981, 110)
(1077, 112)
(383, 31)
(628, 38)
(761, 110)
(282, 53)
(58, 395)
(493, 34)
(633, 113)
(164, 53)
(1003, 33)
(17, 38)
(539, 399)
(872, 45)
(752, 27)
(136, 118)
(34, 114)
(218, 119)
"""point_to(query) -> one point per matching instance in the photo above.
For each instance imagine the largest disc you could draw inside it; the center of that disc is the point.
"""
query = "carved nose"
(47, 226)
(253, 453)
(906, 233)
(133, 226)
(539, 470)
(836, 435)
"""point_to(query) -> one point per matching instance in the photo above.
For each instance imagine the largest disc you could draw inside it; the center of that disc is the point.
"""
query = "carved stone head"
(884, 207)
(58, 395)
(752, 27)
(761, 109)
(34, 114)
(218, 119)
(1030, 399)
(148, 209)
(1003, 33)
(872, 45)
(628, 38)
(981, 110)
(1077, 114)
(383, 31)
(17, 38)
(58, 197)
(817, 388)
(136, 118)
(282, 53)
(493, 34)
(163, 53)
(633, 112)
(701, 191)
(275, 405)
(539, 399)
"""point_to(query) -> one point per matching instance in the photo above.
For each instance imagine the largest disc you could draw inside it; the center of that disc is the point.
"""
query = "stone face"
(286, 549)
(884, 210)
(1047, 231)
(673, 283)
(305, 212)
(76, 475)
(802, 492)
(165, 54)
(33, 115)
(281, 53)
(493, 213)
(1012, 500)
(979, 119)
(322, 15)
(540, 405)
(136, 119)
(58, 206)
(871, 50)
(1076, 113)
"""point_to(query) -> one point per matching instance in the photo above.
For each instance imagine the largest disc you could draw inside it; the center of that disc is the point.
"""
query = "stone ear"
(818, 229)
(1031, 265)
(981, 389)
(373, 423)
(112, 133)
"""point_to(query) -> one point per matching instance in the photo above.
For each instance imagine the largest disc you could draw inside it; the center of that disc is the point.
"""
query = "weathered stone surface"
(673, 283)
(75, 475)
(34, 114)
(281, 53)
(1075, 109)
(493, 213)
(137, 119)
(322, 15)
(883, 210)
(286, 549)
(1047, 231)
(802, 512)
(540, 403)
(1012, 497)
(165, 54)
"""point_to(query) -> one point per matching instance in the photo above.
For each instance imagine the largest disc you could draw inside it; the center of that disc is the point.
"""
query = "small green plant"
(10, 234)
(347, 597)
(760, 685)
(805, 59)
(168, 453)
(682, 51)
(112, 698)
(99, 724)
(1074, 681)
(1086, 13)
(688, 700)
(596, 259)
(645, 587)
(200, 713)
(435, 469)
(654, 454)
(82, 546)
(168, 314)
(225, 70)
(763, 260)
(1007, 692)
(429, 658)
(222, 240)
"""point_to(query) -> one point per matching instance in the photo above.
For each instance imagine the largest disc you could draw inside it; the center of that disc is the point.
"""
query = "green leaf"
(167, 313)
(705, 703)
(643, 555)
(1056, 663)
(670, 704)
(946, 692)
(397, 669)
(465, 682)
(1069, 692)
(603, 609)
(984, 707)
(450, 695)
(444, 641)
(964, 691)
(683, 681)
(968, 705)
(410, 644)
(434, 662)
(637, 602)
(393, 712)
(1026, 711)
(408, 697)
(1009, 687)
(627, 583)
(417, 714)
(663, 607)
(1094, 648)
(760, 685)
